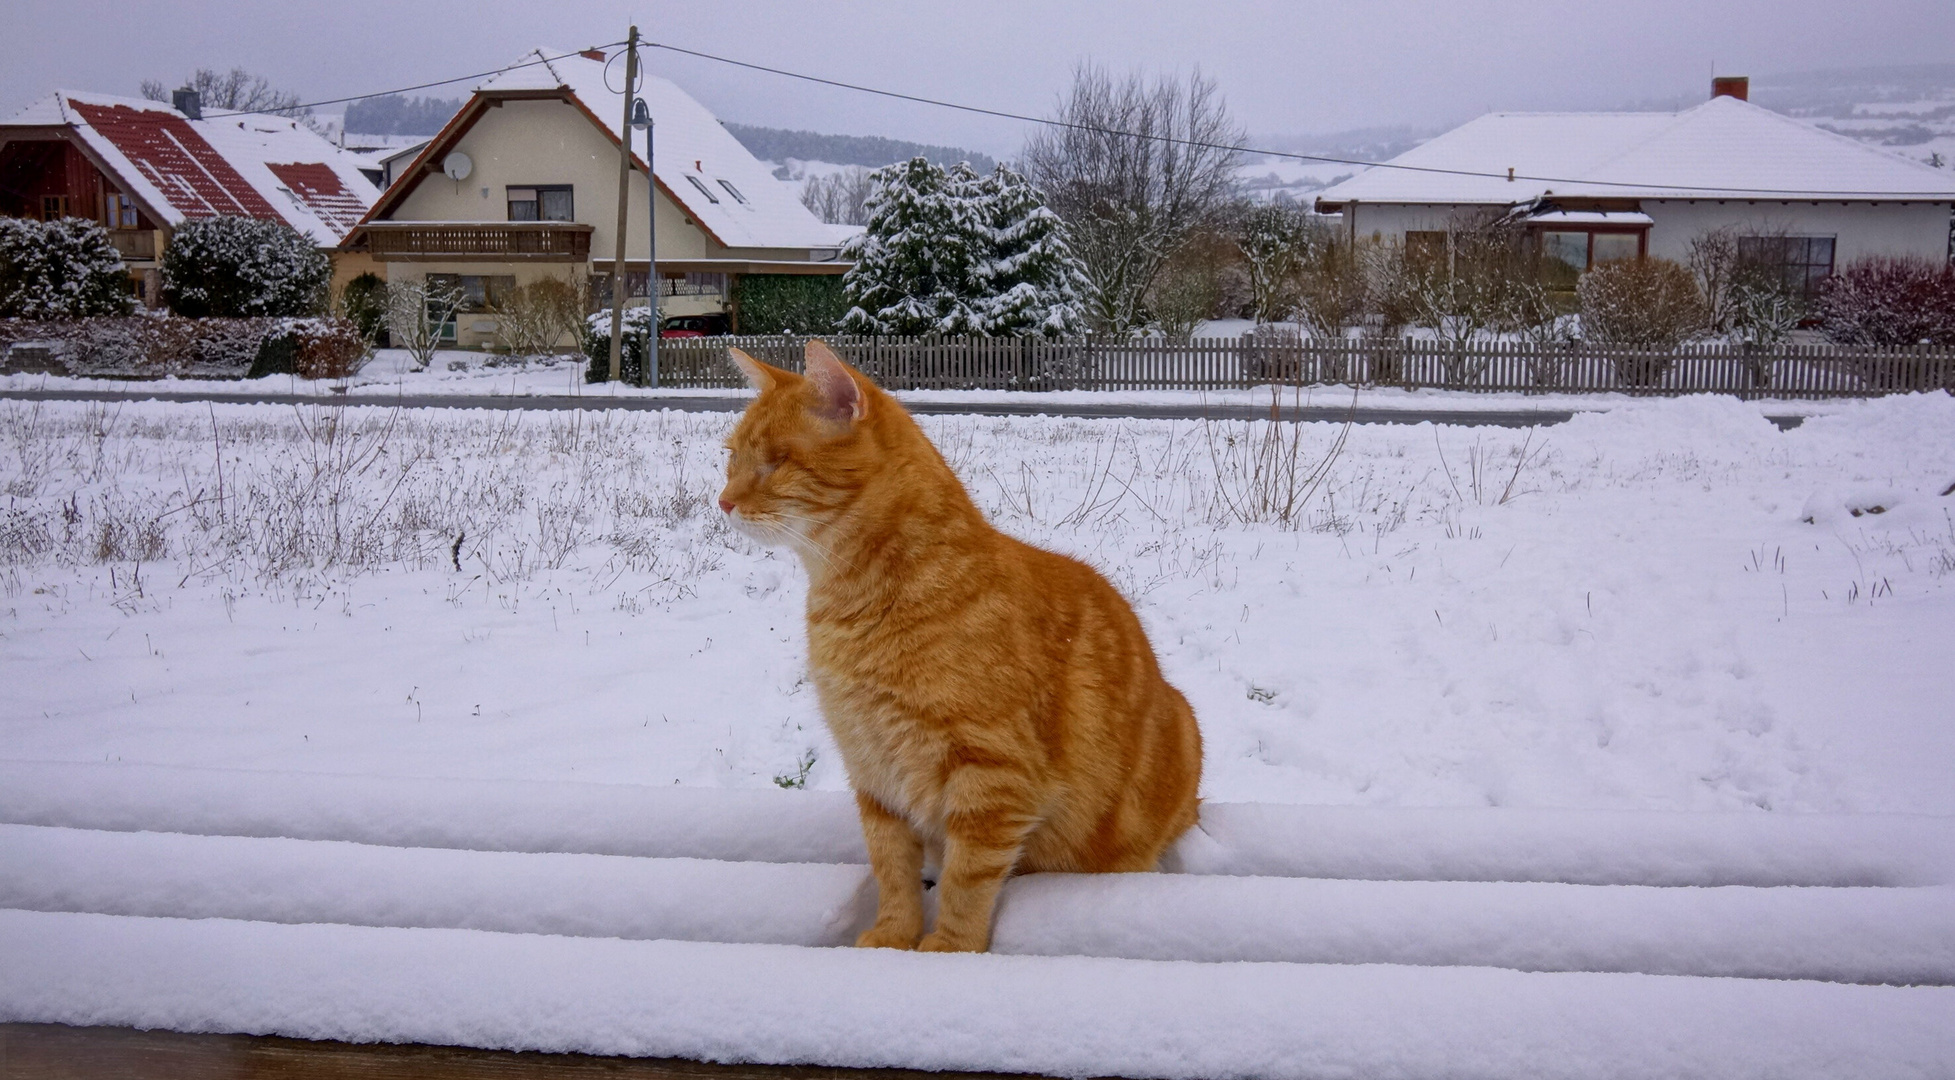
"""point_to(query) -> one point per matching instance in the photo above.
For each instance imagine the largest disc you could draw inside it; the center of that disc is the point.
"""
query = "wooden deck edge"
(61, 1052)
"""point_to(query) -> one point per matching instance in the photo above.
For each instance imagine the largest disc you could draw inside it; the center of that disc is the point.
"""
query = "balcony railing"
(500, 241)
(134, 243)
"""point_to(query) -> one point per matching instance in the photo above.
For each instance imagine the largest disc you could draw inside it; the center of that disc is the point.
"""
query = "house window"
(703, 189)
(1566, 254)
(1613, 247)
(480, 292)
(121, 211)
(54, 207)
(734, 191)
(1800, 262)
(551, 202)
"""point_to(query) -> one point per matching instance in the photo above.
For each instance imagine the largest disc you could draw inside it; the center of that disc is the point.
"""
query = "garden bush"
(1646, 304)
(1889, 303)
(597, 345)
(364, 302)
(328, 348)
(240, 267)
(65, 269)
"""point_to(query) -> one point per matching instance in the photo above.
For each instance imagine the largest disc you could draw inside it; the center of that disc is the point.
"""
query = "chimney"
(1737, 86)
(188, 102)
(593, 54)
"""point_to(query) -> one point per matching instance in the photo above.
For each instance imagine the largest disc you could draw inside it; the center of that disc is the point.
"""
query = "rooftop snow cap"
(1737, 86)
(188, 102)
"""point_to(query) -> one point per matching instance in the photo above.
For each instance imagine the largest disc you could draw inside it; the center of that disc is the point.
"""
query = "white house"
(523, 183)
(1591, 187)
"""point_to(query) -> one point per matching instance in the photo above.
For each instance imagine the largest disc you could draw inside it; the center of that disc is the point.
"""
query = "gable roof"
(1723, 148)
(700, 165)
(224, 164)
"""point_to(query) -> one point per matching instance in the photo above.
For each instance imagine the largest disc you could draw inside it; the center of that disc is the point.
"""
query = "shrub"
(791, 303)
(64, 269)
(418, 310)
(328, 348)
(597, 345)
(238, 267)
(1646, 303)
(532, 318)
(1889, 303)
(148, 346)
(363, 302)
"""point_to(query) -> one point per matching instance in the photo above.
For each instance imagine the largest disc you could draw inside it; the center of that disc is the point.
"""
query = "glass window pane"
(1570, 249)
(522, 209)
(1610, 247)
(555, 205)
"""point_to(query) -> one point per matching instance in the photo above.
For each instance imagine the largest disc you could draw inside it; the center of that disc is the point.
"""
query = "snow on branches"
(240, 267)
(949, 252)
(64, 269)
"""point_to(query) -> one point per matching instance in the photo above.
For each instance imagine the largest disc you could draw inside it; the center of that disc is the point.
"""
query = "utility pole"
(624, 189)
(641, 116)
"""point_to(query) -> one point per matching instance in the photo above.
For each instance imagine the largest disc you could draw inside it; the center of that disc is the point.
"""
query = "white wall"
(1860, 229)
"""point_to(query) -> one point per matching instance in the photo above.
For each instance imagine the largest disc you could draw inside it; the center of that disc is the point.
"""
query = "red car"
(691, 326)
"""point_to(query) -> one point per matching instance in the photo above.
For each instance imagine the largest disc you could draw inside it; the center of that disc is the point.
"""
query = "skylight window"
(734, 191)
(703, 189)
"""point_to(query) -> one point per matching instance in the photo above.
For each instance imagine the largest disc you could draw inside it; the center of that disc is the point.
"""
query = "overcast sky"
(1285, 68)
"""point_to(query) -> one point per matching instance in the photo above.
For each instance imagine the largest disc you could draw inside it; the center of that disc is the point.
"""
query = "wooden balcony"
(134, 244)
(489, 241)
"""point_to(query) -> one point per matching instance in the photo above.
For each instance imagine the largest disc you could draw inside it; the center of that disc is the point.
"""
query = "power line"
(282, 110)
(1319, 158)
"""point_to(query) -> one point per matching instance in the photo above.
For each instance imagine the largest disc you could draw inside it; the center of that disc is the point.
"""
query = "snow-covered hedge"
(597, 344)
(62, 269)
(156, 346)
(240, 267)
(1889, 303)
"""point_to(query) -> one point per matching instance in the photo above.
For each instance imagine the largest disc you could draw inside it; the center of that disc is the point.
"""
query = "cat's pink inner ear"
(759, 376)
(837, 397)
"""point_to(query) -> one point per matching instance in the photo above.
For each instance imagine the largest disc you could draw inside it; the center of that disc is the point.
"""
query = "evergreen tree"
(238, 266)
(65, 269)
(916, 265)
(1031, 283)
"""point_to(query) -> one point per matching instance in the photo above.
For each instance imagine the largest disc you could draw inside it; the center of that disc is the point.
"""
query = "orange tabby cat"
(994, 702)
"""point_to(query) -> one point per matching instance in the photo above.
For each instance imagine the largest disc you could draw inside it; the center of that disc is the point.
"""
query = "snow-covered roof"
(1723, 148)
(699, 163)
(224, 164)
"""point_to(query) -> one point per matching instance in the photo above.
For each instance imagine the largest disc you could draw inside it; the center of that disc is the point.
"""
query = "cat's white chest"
(890, 756)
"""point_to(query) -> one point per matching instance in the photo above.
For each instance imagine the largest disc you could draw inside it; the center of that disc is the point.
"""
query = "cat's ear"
(761, 377)
(837, 394)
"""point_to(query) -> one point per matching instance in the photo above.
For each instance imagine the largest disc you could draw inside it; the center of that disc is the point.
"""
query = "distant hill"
(870, 151)
(394, 114)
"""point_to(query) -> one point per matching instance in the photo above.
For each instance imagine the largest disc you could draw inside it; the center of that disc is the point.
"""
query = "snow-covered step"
(1892, 935)
(1072, 1016)
(1577, 846)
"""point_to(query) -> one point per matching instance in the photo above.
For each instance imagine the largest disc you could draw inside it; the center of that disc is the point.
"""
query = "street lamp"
(641, 118)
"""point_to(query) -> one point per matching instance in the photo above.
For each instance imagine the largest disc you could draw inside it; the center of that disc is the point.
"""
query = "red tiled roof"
(171, 155)
(317, 186)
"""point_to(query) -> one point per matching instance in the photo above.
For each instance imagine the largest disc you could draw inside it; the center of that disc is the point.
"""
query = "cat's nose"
(726, 506)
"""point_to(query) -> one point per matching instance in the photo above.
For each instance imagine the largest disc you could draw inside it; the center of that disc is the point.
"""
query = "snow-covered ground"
(417, 702)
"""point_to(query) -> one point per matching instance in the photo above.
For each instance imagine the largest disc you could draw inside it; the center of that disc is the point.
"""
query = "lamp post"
(641, 117)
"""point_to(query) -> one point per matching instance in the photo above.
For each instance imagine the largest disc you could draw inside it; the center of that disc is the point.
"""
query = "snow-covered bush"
(1889, 303)
(419, 311)
(1646, 303)
(637, 325)
(148, 346)
(239, 267)
(364, 302)
(66, 269)
(949, 252)
(1276, 239)
(531, 319)
(325, 348)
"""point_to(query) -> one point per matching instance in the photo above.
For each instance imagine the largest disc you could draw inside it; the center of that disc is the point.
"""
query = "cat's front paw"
(939, 941)
(886, 937)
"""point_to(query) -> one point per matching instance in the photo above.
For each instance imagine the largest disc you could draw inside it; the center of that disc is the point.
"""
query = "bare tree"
(417, 311)
(236, 90)
(1133, 168)
(1276, 239)
(839, 198)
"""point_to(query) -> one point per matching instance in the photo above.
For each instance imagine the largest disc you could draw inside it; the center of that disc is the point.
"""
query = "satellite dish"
(457, 166)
